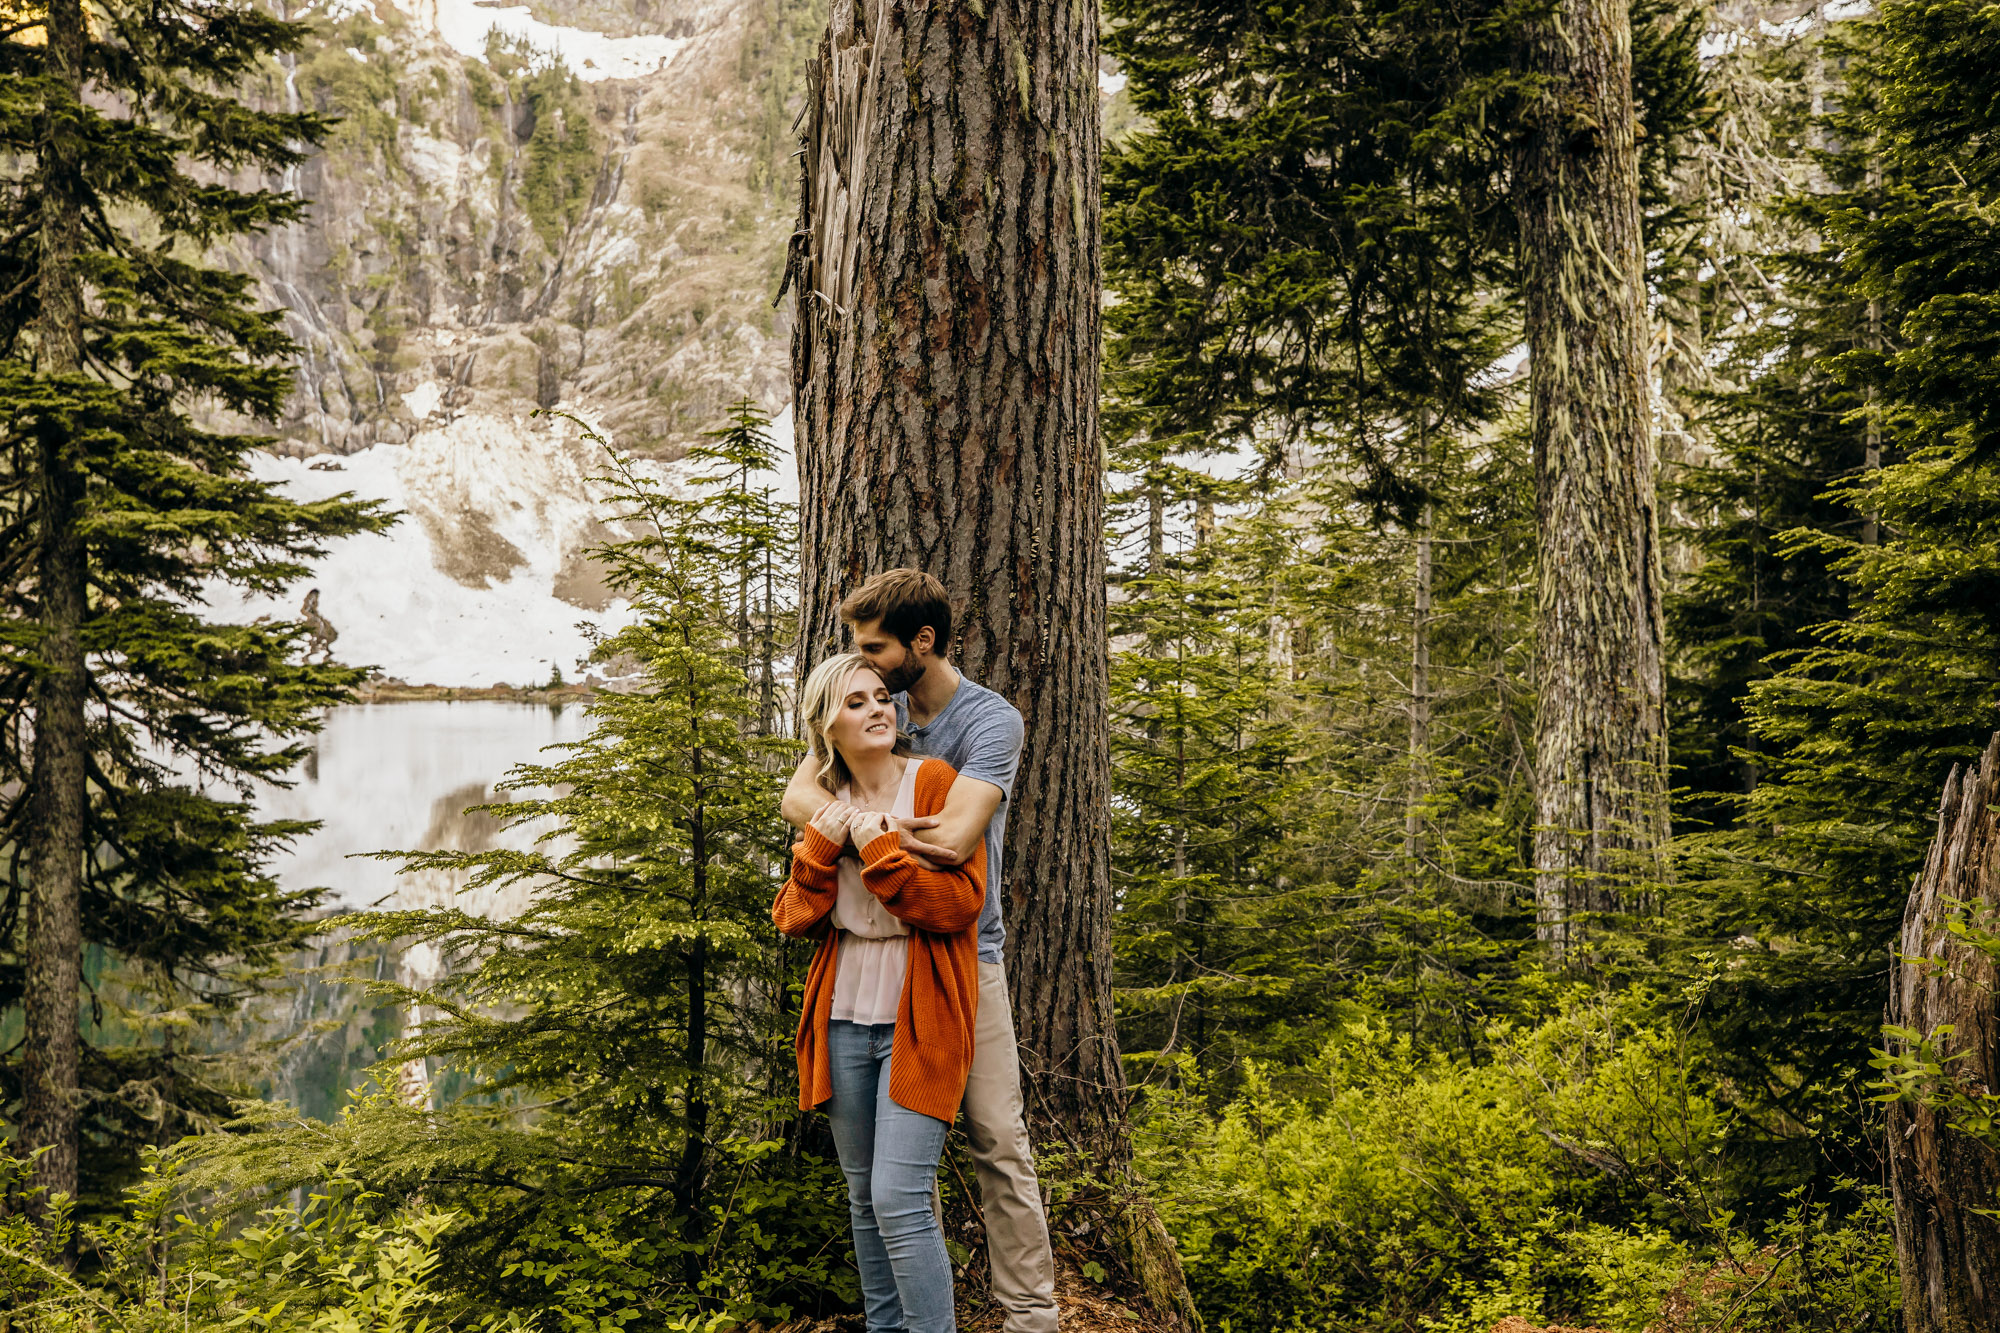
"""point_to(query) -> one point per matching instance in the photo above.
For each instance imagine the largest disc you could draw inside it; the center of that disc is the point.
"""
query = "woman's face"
(865, 722)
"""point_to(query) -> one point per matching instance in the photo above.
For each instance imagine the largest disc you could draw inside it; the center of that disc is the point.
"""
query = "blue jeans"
(889, 1154)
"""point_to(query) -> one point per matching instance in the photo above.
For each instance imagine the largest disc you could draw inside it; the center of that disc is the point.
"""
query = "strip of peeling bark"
(1944, 1180)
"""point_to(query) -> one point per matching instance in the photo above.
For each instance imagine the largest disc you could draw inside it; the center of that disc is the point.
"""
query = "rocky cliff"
(584, 206)
(580, 205)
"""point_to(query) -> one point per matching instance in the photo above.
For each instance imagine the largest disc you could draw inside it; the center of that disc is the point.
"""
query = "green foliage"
(1199, 764)
(1931, 251)
(339, 1263)
(780, 38)
(1857, 647)
(349, 79)
(560, 167)
(186, 713)
(625, 1152)
(1311, 236)
(1786, 429)
(1377, 1187)
(1289, 841)
(1916, 1067)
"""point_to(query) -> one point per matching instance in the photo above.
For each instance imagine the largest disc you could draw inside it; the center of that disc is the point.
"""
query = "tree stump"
(1946, 1182)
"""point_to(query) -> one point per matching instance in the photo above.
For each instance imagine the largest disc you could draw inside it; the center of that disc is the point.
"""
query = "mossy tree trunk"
(50, 1056)
(1600, 733)
(945, 365)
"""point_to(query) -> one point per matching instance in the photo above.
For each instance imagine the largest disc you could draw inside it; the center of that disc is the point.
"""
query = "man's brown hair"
(905, 601)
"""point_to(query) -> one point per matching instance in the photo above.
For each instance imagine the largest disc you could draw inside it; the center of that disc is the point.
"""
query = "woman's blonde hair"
(819, 704)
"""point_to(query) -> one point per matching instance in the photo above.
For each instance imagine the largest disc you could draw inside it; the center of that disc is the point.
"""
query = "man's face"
(892, 659)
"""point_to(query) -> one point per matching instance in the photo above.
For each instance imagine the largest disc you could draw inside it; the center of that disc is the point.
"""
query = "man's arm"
(992, 755)
(953, 834)
(804, 797)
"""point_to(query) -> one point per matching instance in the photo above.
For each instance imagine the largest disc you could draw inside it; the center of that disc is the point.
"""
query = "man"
(901, 621)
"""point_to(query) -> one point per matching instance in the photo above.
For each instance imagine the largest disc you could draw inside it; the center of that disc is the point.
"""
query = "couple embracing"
(902, 803)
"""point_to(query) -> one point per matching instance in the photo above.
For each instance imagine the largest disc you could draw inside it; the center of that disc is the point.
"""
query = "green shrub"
(339, 1263)
(1380, 1188)
(347, 1259)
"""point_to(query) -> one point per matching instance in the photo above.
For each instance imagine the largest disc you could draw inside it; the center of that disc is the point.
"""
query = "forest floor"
(1084, 1307)
(1087, 1311)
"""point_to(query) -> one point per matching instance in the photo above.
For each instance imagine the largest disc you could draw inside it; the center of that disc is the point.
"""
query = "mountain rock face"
(521, 211)
(580, 206)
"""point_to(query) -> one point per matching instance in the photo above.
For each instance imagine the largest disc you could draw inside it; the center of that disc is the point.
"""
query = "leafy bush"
(347, 1259)
(1381, 1188)
(557, 1243)
(340, 1262)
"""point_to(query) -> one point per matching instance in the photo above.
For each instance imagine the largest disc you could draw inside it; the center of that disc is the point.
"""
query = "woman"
(885, 1033)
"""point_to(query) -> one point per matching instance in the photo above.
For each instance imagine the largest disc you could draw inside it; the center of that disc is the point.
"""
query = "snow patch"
(424, 399)
(1714, 45)
(591, 56)
(483, 580)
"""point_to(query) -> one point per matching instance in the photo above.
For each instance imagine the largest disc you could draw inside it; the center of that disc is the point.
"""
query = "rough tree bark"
(56, 832)
(1944, 1181)
(1420, 703)
(945, 366)
(1600, 734)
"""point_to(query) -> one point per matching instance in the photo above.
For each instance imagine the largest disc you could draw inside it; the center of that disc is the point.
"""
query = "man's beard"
(901, 678)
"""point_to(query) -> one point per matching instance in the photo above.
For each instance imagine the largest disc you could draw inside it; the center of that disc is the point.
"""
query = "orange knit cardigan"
(935, 1018)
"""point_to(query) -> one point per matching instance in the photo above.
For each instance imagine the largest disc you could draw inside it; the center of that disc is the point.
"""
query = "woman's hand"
(864, 826)
(832, 821)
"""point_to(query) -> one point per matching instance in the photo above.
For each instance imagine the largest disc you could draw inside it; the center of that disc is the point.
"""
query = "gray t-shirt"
(979, 734)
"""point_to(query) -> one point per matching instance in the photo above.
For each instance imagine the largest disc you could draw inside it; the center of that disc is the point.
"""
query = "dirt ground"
(1083, 1305)
(1084, 1310)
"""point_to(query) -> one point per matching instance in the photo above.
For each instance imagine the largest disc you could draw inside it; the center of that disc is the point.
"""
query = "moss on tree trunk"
(1600, 734)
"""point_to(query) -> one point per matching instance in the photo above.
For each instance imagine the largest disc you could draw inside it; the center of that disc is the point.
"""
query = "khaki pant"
(1017, 1231)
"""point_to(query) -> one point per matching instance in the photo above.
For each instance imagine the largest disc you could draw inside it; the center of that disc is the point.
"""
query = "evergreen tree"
(137, 724)
(623, 1045)
(1310, 231)
(1856, 728)
(1318, 240)
(1420, 806)
(1199, 751)
(759, 534)
(1303, 235)
(1785, 428)
(1302, 836)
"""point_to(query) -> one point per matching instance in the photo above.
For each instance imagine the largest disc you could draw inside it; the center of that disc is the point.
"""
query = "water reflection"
(391, 777)
(399, 776)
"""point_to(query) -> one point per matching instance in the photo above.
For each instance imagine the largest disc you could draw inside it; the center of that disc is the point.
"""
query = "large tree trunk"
(1600, 747)
(945, 366)
(1945, 1182)
(56, 831)
(1420, 704)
